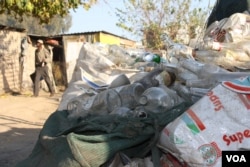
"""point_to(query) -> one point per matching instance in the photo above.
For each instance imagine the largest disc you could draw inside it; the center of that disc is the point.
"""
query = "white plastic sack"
(237, 27)
(74, 90)
(232, 29)
(218, 121)
(93, 63)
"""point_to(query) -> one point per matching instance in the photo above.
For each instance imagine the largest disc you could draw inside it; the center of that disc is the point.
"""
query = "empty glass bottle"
(187, 93)
(150, 80)
(191, 65)
(156, 99)
(212, 45)
(176, 50)
(108, 100)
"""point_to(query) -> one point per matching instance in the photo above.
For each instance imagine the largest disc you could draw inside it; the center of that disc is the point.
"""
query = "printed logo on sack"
(173, 138)
(215, 100)
(245, 98)
(193, 122)
(210, 153)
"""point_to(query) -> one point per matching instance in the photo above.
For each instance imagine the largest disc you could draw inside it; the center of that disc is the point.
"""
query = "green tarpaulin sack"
(93, 140)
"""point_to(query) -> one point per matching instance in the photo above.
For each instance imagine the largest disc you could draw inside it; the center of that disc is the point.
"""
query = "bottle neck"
(167, 41)
(213, 45)
(156, 58)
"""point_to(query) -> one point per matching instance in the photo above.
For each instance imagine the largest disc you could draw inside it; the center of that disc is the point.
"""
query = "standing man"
(42, 57)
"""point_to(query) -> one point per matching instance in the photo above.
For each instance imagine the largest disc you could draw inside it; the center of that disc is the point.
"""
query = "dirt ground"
(21, 119)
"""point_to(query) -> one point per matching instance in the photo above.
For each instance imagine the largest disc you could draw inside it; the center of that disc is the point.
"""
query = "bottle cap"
(143, 100)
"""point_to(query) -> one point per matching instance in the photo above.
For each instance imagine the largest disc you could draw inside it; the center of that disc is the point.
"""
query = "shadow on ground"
(16, 145)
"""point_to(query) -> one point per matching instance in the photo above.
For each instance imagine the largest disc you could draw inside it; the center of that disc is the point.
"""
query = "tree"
(44, 10)
(150, 18)
(57, 25)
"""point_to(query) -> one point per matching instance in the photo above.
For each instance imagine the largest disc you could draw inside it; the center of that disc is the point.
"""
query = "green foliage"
(153, 33)
(150, 18)
(33, 26)
(44, 10)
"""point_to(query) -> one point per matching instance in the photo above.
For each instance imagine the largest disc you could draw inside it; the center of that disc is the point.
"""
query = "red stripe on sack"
(248, 97)
(245, 99)
(236, 87)
(196, 120)
(165, 130)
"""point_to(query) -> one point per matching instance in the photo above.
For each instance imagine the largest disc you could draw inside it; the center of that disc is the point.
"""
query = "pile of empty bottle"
(193, 78)
(172, 79)
(135, 96)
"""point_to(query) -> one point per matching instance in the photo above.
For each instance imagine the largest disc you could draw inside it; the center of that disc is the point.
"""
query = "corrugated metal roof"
(4, 27)
(91, 32)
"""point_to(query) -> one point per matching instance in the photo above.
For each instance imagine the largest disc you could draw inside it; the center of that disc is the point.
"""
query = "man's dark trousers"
(42, 72)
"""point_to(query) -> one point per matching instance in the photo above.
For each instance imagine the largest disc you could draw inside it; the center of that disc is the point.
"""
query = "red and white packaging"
(219, 121)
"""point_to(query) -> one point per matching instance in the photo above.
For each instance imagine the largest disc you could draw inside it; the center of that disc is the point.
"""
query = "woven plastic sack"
(93, 140)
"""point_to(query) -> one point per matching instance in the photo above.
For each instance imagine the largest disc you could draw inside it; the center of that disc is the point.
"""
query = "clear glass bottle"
(184, 74)
(201, 83)
(211, 79)
(187, 93)
(198, 91)
(228, 76)
(209, 69)
(240, 47)
(176, 50)
(156, 99)
(212, 45)
(182, 91)
(129, 95)
(74, 106)
(150, 80)
(192, 65)
(107, 101)
(176, 99)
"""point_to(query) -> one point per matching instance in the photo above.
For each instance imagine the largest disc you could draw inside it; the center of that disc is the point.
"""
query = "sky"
(101, 17)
